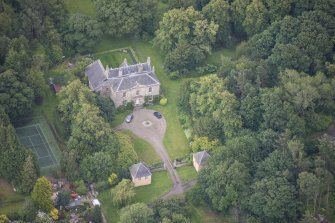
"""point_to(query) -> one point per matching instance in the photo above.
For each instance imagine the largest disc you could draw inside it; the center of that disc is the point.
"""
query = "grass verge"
(187, 173)
(10, 202)
(144, 150)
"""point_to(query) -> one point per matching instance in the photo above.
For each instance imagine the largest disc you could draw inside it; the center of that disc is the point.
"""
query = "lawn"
(144, 150)
(206, 215)
(10, 202)
(161, 184)
(113, 59)
(85, 7)
(187, 173)
(175, 140)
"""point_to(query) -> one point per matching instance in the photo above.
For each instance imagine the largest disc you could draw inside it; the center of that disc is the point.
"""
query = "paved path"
(154, 134)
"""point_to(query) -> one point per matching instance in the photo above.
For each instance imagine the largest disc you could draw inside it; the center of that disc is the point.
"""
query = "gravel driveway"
(146, 126)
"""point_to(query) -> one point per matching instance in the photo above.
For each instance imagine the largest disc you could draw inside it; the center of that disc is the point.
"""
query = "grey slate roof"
(95, 73)
(139, 170)
(201, 157)
(123, 78)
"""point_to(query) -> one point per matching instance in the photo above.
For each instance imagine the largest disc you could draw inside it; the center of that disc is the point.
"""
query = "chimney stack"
(107, 71)
(149, 61)
(120, 72)
(140, 67)
(153, 69)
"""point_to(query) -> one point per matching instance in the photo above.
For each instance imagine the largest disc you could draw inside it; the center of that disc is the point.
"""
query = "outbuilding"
(140, 174)
(200, 159)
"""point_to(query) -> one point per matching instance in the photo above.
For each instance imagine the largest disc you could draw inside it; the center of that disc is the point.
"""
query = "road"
(146, 126)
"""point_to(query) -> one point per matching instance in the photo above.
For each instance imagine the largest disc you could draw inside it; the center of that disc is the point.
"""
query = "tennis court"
(33, 137)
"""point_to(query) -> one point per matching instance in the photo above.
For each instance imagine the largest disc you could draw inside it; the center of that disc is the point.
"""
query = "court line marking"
(48, 144)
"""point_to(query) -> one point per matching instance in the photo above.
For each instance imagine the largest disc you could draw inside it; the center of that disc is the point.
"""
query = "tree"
(106, 107)
(82, 33)
(71, 97)
(28, 211)
(123, 193)
(15, 96)
(90, 133)
(273, 198)
(226, 185)
(96, 215)
(42, 194)
(219, 12)
(202, 143)
(18, 57)
(327, 152)
(97, 167)
(70, 165)
(63, 198)
(13, 154)
(170, 210)
(127, 155)
(256, 17)
(137, 213)
(210, 98)
(80, 187)
(309, 187)
(124, 17)
(29, 175)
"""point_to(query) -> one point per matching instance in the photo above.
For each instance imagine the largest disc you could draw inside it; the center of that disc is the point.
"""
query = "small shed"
(140, 174)
(200, 159)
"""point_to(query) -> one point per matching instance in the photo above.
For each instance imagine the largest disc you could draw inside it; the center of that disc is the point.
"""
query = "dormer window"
(124, 94)
(150, 89)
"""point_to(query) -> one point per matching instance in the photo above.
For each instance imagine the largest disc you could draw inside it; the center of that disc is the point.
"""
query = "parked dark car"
(158, 115)
(129, 118)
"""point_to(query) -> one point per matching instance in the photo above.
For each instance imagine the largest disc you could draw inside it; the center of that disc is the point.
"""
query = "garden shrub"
(163, 101)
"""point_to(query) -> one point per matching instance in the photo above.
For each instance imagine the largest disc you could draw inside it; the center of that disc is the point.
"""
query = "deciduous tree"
(137, 213)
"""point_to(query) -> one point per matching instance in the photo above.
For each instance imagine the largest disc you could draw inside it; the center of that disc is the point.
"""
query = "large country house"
(127, 83)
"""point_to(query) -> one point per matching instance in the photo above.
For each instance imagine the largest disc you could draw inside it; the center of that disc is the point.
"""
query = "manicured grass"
(85, 7)
(113, 59)
(144, 150)
(187, 173)
(10, 202)
(175, 140)
(161, 184)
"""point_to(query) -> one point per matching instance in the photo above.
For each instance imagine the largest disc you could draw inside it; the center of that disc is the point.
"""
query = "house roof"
(122, 78)
(95, 73)
(139, 170)
(201, 157)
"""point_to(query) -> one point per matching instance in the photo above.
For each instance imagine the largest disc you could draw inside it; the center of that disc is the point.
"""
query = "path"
(154, 134)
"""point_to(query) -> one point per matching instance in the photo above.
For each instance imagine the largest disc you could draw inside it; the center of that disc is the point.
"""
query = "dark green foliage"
(124, 17)
(273, 199)
(13, 154)
(96, 215)
(97, 167)
(28, 211)
(205, 126)
(15, 96)
(70, 165)
(136, 213)
(106, 107)
(170, 209)
(29, 174)
(63, 198)
(81, 33)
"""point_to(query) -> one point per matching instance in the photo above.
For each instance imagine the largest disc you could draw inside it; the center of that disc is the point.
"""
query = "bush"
(63, 198)
(80, 187)
(163, 101)
(101, 185)
(128, 107)
(96, 215)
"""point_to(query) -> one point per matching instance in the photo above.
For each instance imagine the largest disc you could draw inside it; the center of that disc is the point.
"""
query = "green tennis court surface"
(33, 137)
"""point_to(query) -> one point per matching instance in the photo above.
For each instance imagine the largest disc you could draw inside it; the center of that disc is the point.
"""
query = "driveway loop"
(147, 123)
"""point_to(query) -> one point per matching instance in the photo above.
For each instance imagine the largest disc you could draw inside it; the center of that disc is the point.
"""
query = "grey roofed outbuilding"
(201, 157)
(139, 170)
(95, 73)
